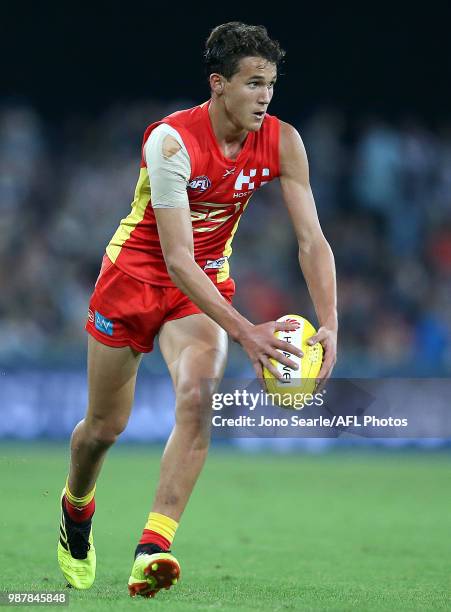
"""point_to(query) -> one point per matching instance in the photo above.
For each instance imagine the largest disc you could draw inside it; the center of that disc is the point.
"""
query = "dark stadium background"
(393, 58)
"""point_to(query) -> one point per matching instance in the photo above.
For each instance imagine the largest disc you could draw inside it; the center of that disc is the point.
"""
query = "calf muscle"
(111, 382)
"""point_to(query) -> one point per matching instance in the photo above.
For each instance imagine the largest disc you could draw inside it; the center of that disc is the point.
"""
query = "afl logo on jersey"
(200, 183)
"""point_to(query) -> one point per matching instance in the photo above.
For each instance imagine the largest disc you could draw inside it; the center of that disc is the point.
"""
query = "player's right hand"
(261, 345)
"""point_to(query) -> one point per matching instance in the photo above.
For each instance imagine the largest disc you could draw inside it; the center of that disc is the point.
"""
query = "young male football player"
(166, 272)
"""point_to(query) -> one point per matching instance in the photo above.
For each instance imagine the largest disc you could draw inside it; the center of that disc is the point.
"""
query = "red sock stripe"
(152, 537)
(80, 514)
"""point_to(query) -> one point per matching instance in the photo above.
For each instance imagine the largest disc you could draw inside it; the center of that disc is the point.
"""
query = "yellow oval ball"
(289, 392)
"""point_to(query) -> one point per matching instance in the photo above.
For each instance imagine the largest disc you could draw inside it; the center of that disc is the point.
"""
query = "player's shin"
(181, 464)
(89, 446)
(184, 456)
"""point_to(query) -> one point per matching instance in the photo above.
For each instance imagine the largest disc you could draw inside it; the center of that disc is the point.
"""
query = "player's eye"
(255, 84)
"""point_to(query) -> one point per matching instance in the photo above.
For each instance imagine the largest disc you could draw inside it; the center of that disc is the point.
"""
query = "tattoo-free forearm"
(318, 267)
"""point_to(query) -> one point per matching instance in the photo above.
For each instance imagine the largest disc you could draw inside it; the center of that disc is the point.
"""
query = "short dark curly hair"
(229, 42)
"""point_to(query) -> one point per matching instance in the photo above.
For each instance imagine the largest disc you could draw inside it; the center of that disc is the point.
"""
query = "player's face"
(249, 91)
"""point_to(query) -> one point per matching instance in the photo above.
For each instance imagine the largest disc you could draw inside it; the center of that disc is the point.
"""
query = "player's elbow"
(311, 243)
(174, 267)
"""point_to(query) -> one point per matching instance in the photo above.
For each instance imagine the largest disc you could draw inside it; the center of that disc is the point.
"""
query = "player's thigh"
(195, 351)
(111, 383)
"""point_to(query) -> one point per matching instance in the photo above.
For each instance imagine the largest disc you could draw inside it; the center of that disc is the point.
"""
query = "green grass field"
(339, 531)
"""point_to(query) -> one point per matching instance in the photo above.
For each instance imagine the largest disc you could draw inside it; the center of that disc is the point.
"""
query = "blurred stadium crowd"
(383, 192)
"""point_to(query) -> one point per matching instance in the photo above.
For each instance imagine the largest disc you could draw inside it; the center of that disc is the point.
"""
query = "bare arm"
(176, 239)
(315, 255)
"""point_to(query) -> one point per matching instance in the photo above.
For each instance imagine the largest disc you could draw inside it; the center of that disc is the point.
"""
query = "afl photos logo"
(200, 183)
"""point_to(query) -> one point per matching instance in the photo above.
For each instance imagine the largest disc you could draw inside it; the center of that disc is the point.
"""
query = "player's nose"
(264, 97)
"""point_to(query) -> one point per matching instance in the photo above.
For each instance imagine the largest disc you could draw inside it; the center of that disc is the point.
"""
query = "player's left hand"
(328, 339)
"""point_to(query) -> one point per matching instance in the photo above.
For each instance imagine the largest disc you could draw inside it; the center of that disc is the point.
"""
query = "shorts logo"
(200, 183)
(215, 264)
(103, 324)
(90, 316)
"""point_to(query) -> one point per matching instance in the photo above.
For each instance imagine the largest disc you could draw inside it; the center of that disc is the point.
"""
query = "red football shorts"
(124, 311)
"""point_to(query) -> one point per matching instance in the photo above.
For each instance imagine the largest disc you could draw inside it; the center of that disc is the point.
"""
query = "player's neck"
(230, 137)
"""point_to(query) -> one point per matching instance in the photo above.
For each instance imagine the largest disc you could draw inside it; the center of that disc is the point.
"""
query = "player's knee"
(104, 438)
(189, 401)
(104, 434)
(193, 407)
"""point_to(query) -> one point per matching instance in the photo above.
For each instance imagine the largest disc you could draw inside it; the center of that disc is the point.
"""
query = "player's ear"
(216, 83)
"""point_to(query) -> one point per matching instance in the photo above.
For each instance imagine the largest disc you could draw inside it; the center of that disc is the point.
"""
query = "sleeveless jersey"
(219, 189)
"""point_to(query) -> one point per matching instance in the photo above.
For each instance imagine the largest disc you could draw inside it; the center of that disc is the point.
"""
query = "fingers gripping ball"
(295, 384)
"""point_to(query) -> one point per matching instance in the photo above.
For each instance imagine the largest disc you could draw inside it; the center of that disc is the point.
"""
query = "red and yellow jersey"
(219, 189)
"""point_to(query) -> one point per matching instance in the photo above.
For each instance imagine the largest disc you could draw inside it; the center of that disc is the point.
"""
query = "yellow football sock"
(164, 525)
(79, 502)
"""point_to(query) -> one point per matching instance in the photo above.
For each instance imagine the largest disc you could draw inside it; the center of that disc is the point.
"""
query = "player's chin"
(255, 124)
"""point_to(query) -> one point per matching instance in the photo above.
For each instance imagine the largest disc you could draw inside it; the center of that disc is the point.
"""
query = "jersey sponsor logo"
(200, 183)
(103, 324)
(215, 264)
(247, 181)
(90, 316)
(229, 172)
